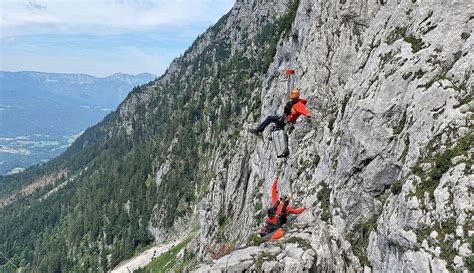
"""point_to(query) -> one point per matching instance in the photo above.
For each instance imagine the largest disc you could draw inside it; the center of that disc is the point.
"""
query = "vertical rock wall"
(385, 167)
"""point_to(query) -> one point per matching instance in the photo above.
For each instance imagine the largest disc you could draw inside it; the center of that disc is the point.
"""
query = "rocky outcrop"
(311, 246)
(385, 167)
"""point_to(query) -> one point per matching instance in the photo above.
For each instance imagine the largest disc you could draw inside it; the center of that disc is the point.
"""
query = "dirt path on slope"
(144, 258)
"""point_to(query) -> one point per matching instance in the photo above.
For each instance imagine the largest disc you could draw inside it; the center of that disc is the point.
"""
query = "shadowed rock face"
(387, 85)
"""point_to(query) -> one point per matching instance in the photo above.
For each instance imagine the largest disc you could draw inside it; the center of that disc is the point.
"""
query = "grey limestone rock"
(388, 83)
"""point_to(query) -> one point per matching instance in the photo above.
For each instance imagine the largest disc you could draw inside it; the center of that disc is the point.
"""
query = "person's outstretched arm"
(274, 191)
(300, 108)
(295, 211)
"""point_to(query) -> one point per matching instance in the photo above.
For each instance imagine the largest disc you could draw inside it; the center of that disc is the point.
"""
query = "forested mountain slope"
(384, 169)
(116, 181)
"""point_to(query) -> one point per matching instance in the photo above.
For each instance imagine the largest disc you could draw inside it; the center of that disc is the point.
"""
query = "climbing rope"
(289, 73)
(280, 167)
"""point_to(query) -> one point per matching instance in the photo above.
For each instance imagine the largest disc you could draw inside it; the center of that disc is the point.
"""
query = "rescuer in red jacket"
(293, 109)
(277, 214)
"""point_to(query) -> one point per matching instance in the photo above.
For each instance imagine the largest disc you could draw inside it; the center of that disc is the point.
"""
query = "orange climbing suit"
(297, 110)
(273, 220)
(289, 209)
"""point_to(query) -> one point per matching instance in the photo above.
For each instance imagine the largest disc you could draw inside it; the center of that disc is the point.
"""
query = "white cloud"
(101, 37)
(22, 17)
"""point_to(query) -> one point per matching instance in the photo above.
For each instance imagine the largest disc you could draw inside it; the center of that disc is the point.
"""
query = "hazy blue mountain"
(59, 104)
(41, 112)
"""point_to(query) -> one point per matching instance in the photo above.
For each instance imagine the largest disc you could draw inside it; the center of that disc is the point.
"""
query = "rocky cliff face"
(384, 169)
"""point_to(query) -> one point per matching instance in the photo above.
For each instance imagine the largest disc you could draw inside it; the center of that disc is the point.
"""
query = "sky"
(101, 37)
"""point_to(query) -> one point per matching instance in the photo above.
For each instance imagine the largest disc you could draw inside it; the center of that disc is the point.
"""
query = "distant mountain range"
(42, 113)
(59, 104)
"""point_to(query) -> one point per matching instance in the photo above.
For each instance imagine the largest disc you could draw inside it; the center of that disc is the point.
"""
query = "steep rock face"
(384, 168)
(390, 86)
(225, 59)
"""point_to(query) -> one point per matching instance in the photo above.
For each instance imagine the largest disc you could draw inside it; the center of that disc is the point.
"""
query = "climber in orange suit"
(277, 214)
(292, 111)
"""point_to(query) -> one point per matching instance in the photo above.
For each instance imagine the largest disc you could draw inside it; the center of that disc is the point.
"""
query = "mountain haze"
(384, 170)
(59, 104)
(42, 113)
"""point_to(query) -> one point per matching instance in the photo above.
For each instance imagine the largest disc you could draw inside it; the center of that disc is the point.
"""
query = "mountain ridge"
(384, 173)
(49, 110)
(78, 74)
(74, 91)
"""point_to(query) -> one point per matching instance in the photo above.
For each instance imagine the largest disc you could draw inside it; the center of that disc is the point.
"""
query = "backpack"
(289, 105)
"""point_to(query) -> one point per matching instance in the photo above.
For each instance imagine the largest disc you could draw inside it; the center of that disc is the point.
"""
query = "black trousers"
(269, 228)
(278, 120)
